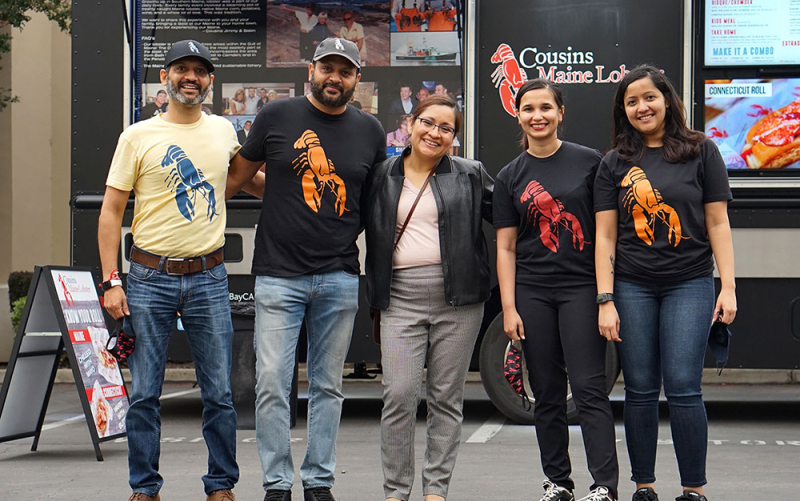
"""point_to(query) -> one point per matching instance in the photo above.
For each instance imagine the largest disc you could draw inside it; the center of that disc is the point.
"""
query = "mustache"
(335, 86)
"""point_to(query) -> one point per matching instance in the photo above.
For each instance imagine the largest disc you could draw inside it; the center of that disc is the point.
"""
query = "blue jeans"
(664, 331)
(329, 303)
(154, 299)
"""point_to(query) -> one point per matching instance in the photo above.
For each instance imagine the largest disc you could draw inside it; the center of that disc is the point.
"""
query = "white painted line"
(180, 393)
(80, 417)
(58, 424)
(488, 429)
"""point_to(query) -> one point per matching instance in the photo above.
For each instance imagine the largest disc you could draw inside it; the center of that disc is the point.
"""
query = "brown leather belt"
(177, 266)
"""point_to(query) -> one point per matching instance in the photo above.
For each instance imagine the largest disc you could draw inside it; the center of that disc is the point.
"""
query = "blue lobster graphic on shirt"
(187, 181)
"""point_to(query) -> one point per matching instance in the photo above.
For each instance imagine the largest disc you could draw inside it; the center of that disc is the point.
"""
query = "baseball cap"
(338, 47)
(188, 48)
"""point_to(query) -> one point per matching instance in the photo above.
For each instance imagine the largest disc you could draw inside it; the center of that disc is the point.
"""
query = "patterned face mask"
(512, 370)
(120, 344)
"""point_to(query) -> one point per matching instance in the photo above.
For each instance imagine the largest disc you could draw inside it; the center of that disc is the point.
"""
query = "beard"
(318, 91)
(174, 93)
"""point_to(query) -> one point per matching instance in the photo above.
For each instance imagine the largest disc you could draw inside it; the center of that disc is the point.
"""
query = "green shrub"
(16, 311)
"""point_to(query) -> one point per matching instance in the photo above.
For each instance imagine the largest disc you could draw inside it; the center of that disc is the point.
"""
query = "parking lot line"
(488, 429)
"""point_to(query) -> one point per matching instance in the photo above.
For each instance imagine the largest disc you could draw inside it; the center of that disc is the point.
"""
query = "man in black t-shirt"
(318, 151)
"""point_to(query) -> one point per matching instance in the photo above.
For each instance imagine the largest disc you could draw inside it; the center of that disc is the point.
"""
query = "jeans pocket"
(348, 274)
(218, 272)
(140, 272)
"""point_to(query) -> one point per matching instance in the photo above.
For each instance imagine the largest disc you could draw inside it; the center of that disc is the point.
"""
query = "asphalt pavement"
(753, 452)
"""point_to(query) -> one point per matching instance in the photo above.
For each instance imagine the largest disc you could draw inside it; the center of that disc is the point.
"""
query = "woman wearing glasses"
(429, 274)
(545, 268)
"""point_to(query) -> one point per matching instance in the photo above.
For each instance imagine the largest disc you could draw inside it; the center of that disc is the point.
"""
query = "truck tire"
(494, 350)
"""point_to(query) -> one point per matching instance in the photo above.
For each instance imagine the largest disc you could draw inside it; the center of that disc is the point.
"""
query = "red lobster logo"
(549, 214)
(67, 293)
(508, 77)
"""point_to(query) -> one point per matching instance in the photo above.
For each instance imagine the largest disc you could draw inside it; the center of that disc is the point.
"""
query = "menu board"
(99, 371)
(752, 32)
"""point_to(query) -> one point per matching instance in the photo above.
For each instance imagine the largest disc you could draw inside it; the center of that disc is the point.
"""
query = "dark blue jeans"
(155, 299)
(664, 331)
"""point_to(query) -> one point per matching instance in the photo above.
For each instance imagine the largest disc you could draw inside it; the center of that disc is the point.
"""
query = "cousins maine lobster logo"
(561, 67)
(550, 216)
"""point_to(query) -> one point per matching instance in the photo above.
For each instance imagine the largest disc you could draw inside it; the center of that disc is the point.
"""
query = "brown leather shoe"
(221, 495)
(138, 496)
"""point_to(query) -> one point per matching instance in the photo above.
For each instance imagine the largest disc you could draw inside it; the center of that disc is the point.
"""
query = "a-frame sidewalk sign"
(62, 313)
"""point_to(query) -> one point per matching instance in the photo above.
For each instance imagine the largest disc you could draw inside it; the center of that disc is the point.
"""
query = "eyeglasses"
(428, 125)
(348, 18)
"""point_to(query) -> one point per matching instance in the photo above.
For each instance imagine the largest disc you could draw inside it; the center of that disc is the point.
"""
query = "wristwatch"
(605, 297)
(110, 283)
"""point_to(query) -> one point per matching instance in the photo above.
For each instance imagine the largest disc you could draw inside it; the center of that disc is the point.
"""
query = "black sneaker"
(645, 494)
(691, 496)
(318, 494)
(552, 492)
(278, 495)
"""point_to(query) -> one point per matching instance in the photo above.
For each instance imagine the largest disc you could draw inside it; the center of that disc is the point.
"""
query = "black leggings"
(561, 335)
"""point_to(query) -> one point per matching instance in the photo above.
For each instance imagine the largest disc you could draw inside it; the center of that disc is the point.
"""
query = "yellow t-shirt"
(178, 174)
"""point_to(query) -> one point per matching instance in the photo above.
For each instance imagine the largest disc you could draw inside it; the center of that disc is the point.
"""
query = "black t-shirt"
(316, 165)
(549, 200)
(662, 237)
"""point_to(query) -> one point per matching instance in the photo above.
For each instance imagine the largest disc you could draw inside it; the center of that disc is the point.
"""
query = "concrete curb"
(729, 376)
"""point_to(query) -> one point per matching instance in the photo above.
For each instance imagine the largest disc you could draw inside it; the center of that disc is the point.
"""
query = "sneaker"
(139, 496)
(318, 494)
(691, 496)
(552, 492)
(645, 494)
(278, 495)
(221, 495)
(598, 494)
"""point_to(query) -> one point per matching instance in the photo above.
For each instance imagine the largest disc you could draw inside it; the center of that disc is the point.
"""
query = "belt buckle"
(176, 260)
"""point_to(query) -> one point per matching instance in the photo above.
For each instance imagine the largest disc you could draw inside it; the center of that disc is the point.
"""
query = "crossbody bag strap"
(413, 206)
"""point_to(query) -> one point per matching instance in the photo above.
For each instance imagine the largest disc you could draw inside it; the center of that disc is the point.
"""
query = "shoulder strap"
(413, 206)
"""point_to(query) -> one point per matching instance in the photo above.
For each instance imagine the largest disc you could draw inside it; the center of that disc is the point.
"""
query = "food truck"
(736, 64)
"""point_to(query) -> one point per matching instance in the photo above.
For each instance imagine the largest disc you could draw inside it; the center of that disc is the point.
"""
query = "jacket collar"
(445, 164)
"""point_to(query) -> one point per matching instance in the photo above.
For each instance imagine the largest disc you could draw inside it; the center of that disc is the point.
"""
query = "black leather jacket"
(462, 190)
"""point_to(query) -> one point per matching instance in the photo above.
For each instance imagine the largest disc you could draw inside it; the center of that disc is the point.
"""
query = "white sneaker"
(598, 494)
(552, 492)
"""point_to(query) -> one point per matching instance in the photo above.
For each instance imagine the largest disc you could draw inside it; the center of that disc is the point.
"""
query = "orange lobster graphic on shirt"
(318, 173)
(549, 214)
(508, 77)
(647, 206)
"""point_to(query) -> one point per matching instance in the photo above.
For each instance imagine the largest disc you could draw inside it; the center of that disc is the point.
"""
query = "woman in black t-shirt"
(661, 199)
(545, 267)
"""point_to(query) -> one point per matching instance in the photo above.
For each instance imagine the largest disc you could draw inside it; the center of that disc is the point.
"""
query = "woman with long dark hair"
(661, 199)
(545, 268)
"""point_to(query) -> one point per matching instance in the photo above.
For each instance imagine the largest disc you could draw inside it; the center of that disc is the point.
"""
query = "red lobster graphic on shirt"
(549, 214)
(508, 77)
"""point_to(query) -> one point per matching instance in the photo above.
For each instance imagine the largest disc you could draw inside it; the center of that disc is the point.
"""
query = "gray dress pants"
(420, 328)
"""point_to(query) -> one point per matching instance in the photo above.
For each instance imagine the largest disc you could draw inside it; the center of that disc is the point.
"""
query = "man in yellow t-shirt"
(176, 164)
